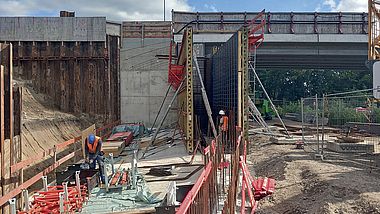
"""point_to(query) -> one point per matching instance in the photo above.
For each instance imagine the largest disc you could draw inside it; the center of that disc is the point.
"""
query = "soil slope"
(44, 127)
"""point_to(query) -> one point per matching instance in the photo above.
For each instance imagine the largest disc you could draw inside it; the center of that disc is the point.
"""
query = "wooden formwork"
(10, 123)
(78, 77)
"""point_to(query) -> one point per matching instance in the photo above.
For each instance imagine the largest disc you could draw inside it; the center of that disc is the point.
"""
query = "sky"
(153, 10)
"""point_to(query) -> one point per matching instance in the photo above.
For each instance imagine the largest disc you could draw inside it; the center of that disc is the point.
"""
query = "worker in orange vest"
(94, 152)
(223, 126)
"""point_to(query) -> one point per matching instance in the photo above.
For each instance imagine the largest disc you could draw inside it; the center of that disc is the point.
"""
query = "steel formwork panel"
(225, 76)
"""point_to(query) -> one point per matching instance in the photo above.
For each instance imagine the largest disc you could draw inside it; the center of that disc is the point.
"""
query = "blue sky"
(142, 10)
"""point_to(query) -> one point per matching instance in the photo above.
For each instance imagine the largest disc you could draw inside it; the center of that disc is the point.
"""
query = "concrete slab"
(350, 147)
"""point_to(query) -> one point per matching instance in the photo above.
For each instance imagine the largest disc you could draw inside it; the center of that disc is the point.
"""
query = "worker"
(223, 126)
(94, 152)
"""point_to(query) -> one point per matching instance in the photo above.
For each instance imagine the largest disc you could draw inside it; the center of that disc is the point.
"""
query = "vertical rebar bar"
(316, 120)
(303, 134)
(323, 122)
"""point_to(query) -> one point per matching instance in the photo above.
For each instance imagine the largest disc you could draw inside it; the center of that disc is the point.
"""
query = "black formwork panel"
(225, 76)
(198, 104)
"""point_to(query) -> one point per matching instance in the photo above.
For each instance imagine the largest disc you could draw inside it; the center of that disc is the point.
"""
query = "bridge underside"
(338, 56)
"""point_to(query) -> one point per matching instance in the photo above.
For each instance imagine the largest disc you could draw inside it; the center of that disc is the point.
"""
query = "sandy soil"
(305, 185)
(44, 127)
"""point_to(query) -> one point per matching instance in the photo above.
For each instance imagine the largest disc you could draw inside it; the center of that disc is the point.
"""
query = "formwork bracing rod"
(204, 96)
(163, 118)
(162, 104)
(270, 100)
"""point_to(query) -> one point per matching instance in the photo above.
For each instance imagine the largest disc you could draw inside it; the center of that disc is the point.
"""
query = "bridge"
(291, 40)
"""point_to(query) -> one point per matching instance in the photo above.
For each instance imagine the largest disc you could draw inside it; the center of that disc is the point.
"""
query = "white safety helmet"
(221, 112)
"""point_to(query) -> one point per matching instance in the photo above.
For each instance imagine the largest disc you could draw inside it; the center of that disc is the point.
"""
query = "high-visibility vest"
(225, 123)
(92, 147)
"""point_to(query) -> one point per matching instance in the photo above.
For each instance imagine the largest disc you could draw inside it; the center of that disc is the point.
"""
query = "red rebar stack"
(49, 201)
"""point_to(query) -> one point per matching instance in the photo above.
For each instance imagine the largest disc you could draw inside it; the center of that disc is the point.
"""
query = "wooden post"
(55, 161)
(11, 146)
(21, 178)
(85, 134)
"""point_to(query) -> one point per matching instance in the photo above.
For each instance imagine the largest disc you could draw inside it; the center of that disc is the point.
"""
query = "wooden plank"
(114, 150)
(85, 134)
(11, 145)
(148, 210)
(113, 143)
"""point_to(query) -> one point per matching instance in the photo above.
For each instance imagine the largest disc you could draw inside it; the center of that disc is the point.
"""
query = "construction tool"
(299, 145)
(204, 96)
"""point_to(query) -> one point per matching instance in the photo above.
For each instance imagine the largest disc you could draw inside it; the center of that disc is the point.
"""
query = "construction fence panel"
(352, 130)
(311, 117)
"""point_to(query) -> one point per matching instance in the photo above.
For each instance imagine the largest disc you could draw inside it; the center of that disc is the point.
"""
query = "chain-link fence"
(353, 129)
(344, 126)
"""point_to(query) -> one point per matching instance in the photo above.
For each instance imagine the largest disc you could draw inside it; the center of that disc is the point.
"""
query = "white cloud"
(213, 9)
(330, 3)
(117, 10)
(352, 6)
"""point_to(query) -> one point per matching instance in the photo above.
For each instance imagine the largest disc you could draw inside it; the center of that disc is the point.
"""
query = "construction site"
(185, 122)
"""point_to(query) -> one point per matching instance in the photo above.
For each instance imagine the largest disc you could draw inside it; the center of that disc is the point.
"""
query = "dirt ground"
(305, 185)
(43, 127)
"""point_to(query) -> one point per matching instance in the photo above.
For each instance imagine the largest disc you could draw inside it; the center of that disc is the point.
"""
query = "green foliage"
(295, 84)
(340, 112)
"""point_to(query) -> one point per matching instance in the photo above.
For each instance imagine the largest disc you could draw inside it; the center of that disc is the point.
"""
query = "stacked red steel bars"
(50, 201)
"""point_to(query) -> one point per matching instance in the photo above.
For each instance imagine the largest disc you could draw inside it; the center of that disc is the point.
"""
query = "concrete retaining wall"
(144, 81)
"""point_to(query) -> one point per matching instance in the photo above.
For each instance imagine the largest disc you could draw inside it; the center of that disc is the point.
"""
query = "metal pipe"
(323, 122)
(64, 184)
(163, 118)
(12, 202)
(316, 120)
(77, 181)
(44, 183)
(112, 164)
(266, 94)
(204, 96)
(61, 202)
(26, 199)
(106, 177)
(303, 134)
(134, 169)
(166, 95)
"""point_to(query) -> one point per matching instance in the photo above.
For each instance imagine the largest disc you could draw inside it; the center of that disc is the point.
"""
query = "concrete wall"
(144, 81)
(276, 23)
(53, 29)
